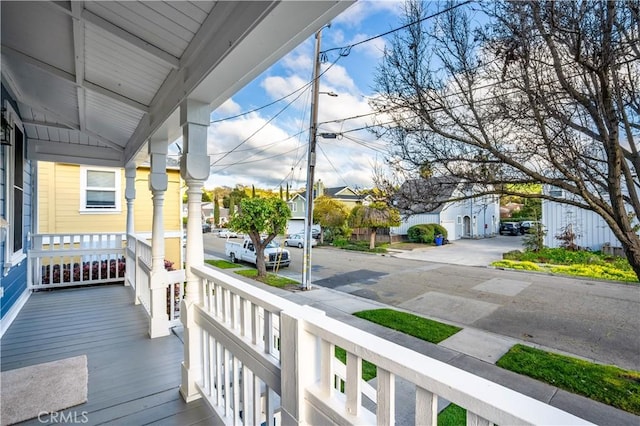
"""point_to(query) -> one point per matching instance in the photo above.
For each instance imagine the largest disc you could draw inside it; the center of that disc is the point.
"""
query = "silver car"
(297, 240)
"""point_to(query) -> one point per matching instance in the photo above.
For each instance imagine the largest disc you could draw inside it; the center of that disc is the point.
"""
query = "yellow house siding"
(144, 202)
(59, 188)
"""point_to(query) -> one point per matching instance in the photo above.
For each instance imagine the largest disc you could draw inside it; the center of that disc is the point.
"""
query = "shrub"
(425, 233)
(340, 241)
(511, 264)
(513, 255)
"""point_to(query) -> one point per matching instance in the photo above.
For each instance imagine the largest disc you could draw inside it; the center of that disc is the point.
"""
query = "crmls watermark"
(72, 417)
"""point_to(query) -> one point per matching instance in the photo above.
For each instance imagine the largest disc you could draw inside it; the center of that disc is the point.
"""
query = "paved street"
(592, 319)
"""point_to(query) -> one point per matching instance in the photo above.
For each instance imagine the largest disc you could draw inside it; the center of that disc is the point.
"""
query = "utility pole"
(311, 165)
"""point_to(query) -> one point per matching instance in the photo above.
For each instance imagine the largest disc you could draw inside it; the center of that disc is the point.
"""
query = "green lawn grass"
(222, 264)
(607, 384)
(452, 415)
(271, 279)
(413, 325)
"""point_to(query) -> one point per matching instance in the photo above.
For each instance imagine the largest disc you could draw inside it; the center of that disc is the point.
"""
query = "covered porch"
(101, 84)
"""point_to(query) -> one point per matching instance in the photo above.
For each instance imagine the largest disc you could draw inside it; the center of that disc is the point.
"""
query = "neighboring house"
(590, 228)
(74, 197)
(427, 201)
(345, 194)
(297, 203)
(509, 209)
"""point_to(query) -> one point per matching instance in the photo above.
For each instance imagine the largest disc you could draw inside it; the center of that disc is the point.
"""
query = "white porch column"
(158, 180)
(194, 168)
(130, 196)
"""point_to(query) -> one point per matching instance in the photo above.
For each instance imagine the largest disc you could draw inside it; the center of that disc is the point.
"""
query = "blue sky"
(268, 148)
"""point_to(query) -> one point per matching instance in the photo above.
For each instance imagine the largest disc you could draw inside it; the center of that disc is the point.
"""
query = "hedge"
(425, 233)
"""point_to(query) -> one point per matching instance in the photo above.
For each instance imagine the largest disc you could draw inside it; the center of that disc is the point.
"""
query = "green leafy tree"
(232, 205)
(331, 214)
(374, 216)
(216, 211)
(256, 216)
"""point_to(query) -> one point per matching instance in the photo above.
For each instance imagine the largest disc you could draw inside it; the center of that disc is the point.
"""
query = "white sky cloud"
(277, 154)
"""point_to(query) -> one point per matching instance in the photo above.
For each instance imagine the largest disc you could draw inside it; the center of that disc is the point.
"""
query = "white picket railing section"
(139, 263)
(63, 260)
(266, 360)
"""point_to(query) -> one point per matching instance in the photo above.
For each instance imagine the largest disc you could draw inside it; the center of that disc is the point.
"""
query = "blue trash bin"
(439, 239)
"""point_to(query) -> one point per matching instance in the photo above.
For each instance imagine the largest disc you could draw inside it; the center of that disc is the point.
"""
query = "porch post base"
(188, 390)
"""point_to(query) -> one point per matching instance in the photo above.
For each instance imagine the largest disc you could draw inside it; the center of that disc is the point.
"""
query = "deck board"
(132, 379)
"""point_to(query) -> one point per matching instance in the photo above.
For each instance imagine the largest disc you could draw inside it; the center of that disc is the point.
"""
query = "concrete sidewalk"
(472, 350)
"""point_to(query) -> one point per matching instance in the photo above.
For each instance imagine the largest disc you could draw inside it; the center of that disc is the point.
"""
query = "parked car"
(315, 233)
(227, 233)
(528, 225)
(206, 228)
(297, 240)
(274, 256)
(510, 228)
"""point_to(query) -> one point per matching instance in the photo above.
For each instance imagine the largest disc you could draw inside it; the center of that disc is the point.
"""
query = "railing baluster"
(211, 343)
(243, 316)
(327, 375)
(227, 381)
(386, 398)
(269, 403)
(352, 385)
(255, 320)
(426, 407)
(236, 390)
(219, 373)
(247, 394)
(257, 401)
(268, 332)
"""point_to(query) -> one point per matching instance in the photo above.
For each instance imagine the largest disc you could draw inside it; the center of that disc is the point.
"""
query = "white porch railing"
(266, 360)
(139, 263)
(63, 260)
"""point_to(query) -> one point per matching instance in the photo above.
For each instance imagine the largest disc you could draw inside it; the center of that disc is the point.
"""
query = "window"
(557, 193)
(294, 207)
(100, 190)
(14, 194)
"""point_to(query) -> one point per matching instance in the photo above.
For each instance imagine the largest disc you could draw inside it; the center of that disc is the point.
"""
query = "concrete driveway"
(468, 252)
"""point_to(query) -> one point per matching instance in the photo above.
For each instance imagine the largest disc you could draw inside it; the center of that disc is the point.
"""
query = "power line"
(345, 50)
(332, 166)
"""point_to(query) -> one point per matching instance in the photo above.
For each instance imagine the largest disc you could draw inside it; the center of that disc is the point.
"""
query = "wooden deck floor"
(133, 380)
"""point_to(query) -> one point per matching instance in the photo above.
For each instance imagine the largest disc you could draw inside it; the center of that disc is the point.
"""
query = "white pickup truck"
(245, 251)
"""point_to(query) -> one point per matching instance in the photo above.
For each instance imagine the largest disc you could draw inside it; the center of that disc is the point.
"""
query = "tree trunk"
(631, 249)
(261, 266)
(372, 239)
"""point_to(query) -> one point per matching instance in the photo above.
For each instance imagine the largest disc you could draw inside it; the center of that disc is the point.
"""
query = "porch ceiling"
(95, 81)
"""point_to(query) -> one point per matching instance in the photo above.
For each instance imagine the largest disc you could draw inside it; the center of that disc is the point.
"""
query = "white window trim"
(83, 191)
(294, 208)
(12, 258)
